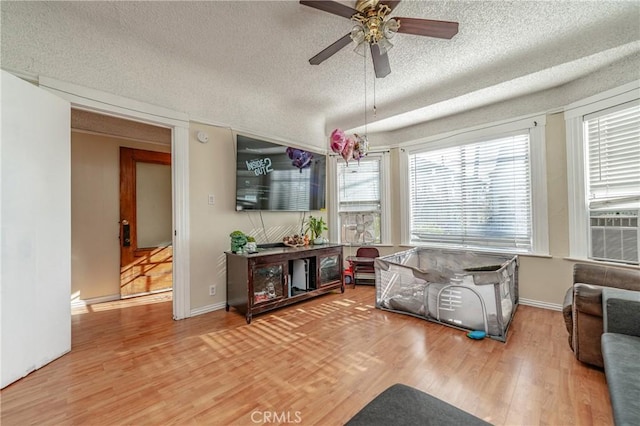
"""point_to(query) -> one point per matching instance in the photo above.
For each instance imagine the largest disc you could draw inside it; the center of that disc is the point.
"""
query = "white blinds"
(473, 195)
(359, 201)
(613, 144)
(359, 185)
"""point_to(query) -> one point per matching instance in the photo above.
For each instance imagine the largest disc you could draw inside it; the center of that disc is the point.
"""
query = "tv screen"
(275, 177)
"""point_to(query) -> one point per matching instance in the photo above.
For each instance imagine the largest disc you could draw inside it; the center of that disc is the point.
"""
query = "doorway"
(146, 250)
(106, 153)
(112, 105)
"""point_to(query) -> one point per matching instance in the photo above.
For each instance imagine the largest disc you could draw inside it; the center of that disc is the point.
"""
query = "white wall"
(36, 228)
(547, 279)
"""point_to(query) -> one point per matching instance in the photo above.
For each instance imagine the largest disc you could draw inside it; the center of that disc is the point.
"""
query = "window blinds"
(473, 195)
(359, 185)
(613, 150)
(359, 201)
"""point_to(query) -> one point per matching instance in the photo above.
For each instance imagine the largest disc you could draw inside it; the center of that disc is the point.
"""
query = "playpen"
(463, 289)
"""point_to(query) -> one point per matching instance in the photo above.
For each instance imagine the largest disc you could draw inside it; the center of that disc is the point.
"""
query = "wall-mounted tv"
(270, 176)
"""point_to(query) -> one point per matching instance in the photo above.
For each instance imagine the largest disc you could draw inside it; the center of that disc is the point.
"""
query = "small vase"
(318, 241)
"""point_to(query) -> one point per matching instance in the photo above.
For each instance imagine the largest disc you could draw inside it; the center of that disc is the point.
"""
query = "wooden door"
(146, 251)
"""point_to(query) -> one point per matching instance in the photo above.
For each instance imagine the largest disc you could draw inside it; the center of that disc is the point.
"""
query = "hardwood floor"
(317, 362)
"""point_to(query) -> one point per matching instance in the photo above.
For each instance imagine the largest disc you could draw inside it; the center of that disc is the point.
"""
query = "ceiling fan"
(374, 28)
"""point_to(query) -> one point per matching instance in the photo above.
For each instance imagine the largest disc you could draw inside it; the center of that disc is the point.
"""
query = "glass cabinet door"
(330, 269)
(268, 283)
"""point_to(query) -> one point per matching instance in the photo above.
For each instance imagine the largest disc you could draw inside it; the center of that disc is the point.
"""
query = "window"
(361, 189)
(612, 139)
(603, 169)
(480, 189)
(473, 195)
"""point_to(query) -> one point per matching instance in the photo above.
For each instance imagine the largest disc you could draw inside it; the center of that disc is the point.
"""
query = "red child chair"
(362, 265)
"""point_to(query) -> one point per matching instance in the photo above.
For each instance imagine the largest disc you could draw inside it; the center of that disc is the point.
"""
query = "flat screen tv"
(270, 176)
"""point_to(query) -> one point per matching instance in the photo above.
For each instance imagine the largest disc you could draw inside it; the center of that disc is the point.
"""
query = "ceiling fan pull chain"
(374, 100)
(365, 93)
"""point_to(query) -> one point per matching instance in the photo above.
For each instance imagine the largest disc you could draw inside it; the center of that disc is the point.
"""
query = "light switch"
(212, 199)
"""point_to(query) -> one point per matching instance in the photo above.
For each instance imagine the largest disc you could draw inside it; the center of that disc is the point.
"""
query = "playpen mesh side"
(399, 290)
(462, 289)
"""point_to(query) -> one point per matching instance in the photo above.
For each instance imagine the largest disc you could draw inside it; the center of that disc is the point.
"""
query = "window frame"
(578, 203)
(385, 190)
(535, 125)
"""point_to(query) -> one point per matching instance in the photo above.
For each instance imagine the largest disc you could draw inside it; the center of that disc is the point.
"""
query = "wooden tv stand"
(279, 276)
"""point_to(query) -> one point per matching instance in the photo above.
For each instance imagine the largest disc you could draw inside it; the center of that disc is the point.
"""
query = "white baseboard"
(208, 308)
(78, 303)
(538, 304)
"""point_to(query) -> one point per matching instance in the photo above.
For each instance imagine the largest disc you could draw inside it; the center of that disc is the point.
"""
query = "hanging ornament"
(347, 152)
(338, 141)
(361, 147)
(301, 159)
(355, 147)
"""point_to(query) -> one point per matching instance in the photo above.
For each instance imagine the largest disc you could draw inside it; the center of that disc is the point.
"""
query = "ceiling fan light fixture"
(384, 45)
(361, 49)
(373, 27)
(357, 34)
(390, 28)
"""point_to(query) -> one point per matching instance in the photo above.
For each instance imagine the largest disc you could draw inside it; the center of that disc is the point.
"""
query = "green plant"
(315, 225)
(237, 234)
(251, 240)
(238, 241)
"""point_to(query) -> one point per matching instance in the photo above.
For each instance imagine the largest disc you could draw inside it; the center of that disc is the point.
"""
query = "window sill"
(602, 262)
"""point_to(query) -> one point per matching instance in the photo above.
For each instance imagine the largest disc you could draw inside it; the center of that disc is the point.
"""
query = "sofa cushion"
(622, 369)
(621, 313)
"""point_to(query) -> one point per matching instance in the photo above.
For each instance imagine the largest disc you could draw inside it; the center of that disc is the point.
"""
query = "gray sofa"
(621, 353)
(582, 307)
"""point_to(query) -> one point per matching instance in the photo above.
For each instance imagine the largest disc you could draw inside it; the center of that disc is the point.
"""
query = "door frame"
(117, 106)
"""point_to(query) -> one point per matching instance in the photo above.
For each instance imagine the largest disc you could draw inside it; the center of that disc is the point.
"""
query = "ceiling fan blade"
(331, 7)
(380, 62)
(392, 4)
(427, 27)
(331, 50)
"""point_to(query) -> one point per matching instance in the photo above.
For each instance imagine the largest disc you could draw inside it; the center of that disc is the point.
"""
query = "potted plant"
(251, 246)
(238, 241)
(316, 226)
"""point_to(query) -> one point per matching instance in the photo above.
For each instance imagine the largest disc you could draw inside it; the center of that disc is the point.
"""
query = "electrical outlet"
(212, 199)
(212, 290)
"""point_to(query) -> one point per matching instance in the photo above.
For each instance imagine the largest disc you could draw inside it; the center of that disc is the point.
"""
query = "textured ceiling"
(244, 64)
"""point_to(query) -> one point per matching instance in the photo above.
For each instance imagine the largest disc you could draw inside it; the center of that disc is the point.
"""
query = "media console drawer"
(280, 276)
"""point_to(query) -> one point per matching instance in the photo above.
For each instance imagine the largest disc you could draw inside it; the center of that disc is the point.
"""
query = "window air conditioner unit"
(614, 235)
